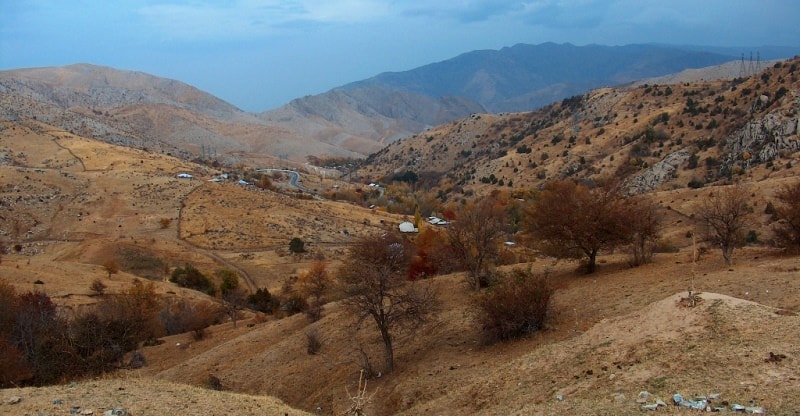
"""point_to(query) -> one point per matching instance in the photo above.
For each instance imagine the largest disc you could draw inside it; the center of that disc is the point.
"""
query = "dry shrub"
(313, 285)
(787, 211)
(184, 316)
(665, 246)
(515, 306)
(164, 222)
(13, 367)
(97, 287)
(313, 341)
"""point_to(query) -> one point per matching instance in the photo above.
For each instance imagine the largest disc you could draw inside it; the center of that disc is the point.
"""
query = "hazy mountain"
(357, 119)
(519, 78)
(525, 77)
(94, 86)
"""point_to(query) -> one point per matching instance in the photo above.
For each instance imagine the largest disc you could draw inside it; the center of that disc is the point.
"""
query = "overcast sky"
(260, 54)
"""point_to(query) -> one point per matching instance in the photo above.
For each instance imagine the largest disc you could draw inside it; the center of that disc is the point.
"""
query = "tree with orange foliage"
(313, 285)
(475, 238)
(569, 220)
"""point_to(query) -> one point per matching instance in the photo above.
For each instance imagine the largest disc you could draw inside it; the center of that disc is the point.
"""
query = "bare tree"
(234, 301)
(725, 214)
(475, 238)
(570, 219)
(373, 276)
(645, 229)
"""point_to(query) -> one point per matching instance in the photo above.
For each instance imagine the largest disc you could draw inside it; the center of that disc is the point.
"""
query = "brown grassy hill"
(138, 396)
(79, 201)
(70, 204)
(616, 333)
(147, 112)
(701, 131)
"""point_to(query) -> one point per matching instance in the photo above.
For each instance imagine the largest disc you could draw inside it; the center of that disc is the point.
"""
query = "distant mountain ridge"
(141, 110)
(525, 77)
(104, 87)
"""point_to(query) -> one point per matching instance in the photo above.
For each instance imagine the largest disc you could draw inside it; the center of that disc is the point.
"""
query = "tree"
(475, 238)
(297, 245)
(570, 219)
(312, 285)
(374, 278)
(233, 301)
(645, 229)
(111, 267)
(40, 335)
(725, 214)
(262, 301)
(787, 211)
(98, 287)
(229, 280)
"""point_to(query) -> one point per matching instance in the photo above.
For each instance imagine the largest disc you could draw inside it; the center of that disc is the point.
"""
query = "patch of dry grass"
(140, 397)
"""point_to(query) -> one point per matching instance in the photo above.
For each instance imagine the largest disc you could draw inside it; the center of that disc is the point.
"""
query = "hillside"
(395, 105)
(147, 112)
(653, 136)
(609, 337)
(72, 203)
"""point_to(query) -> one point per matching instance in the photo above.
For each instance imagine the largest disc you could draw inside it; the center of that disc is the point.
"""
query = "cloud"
(241, 19)
(464, 11)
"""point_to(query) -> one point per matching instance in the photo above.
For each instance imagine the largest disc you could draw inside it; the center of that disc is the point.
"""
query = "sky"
(261, 54)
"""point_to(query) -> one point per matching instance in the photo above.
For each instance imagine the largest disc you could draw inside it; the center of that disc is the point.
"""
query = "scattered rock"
(705, 403)
(115, 412)
(643, 397)
(756, 410)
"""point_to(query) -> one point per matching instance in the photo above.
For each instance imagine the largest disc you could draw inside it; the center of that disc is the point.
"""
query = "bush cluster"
(190, 277)
(515, 306)
(39, 345)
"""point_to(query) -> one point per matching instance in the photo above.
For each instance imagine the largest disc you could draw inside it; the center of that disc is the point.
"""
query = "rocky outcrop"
(762, 140)
(659, 173)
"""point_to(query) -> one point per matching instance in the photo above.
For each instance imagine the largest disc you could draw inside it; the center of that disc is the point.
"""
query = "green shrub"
(190, 277)
(695, 184)
(262, 301)
(297, 245)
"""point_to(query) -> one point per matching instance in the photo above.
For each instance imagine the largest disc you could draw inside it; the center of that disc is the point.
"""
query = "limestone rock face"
(763, 140)
(659, 173)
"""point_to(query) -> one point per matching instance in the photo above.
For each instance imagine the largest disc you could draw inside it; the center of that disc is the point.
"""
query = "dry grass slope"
(71, 203)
